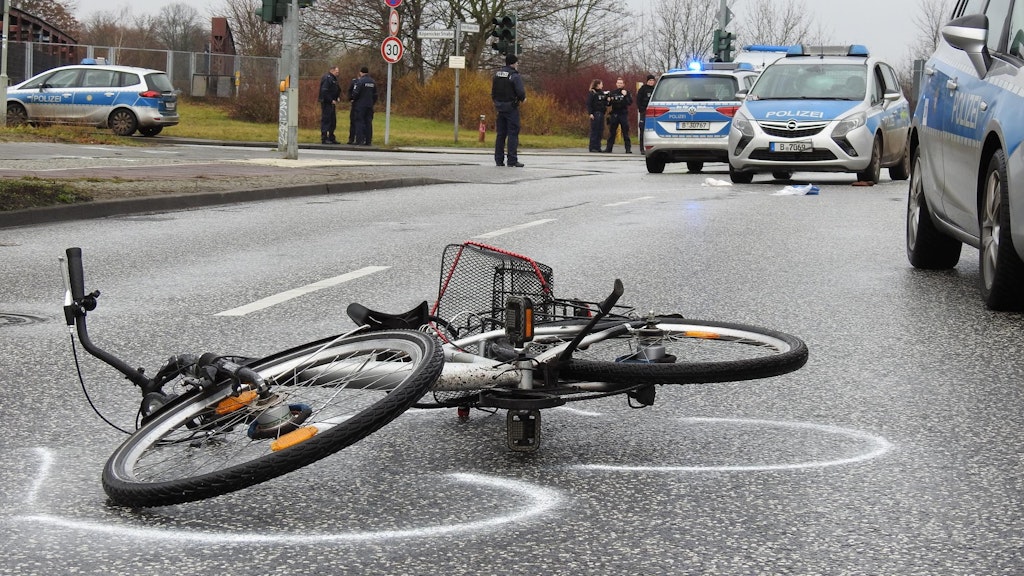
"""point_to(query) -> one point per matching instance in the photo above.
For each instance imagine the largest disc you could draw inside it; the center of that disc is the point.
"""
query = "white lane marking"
(541, 501)
(879, 446)
(578, 411)
(613, 204)
(515, 228)
(305, 162)
(296, 292)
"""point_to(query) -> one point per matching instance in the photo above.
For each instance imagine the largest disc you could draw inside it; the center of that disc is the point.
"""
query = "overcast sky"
(885, 26)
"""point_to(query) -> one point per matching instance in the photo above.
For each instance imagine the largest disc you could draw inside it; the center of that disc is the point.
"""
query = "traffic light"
(273, 11)
(723, 45)
(505, 32)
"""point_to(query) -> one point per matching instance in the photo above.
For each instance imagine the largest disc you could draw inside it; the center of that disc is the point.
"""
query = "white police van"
(966, 143)
(689, 114)
(123, 98)
(822, 109)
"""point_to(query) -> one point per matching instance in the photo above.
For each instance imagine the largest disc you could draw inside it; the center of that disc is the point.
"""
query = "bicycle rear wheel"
(668, 350)
(324, 396)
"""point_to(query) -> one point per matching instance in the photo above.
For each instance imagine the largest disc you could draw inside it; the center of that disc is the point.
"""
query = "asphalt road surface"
(895, 450)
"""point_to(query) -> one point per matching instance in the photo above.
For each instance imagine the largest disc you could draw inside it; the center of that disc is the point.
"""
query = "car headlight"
(742, 123)
(849, 124)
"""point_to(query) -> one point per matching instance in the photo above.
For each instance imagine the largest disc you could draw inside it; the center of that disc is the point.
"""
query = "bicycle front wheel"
(323, 397)
(668, 350)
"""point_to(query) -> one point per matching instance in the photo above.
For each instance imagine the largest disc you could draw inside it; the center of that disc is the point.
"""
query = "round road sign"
(393, 23)
(393, 3)
(391, 49)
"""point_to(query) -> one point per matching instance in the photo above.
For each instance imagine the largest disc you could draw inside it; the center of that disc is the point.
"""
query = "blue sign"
(393, 3)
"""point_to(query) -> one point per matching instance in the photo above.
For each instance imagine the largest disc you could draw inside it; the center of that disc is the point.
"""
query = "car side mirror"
(970, 34)
(892, 96)
(742, 94)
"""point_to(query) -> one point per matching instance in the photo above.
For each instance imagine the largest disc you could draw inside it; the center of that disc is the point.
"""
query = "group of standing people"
(362, 94)
(611, 108)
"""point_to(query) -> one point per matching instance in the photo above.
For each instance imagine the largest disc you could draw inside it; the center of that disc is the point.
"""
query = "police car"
(688, 117)
(123, 98)
(967, 185)
(824, 109)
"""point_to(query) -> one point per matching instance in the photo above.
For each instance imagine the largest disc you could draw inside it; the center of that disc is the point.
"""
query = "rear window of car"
(813, 81)
(159, 82)
(695, 88)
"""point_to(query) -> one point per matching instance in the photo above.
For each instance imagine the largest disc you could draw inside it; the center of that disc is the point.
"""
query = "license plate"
(171, 105)
(693, 125)
(791, 147)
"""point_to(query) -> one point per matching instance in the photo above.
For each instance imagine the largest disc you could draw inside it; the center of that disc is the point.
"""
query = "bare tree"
(181, 28)
(931, 16)
(252, 36)
(680, 31)
(580, 33)
(777, 23)
(120, 29)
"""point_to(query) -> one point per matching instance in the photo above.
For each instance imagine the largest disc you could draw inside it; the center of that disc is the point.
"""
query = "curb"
(172, 202)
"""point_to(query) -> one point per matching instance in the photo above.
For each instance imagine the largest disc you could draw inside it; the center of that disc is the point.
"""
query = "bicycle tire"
(704, 352)
(352, 387)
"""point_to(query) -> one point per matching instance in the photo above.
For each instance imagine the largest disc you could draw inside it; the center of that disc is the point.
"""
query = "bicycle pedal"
(644, 395)
(523, 430)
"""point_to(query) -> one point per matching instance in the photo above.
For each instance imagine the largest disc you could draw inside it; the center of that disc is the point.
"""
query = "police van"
(690, 112)
(968, 163)
(822, 109)
(123, 98)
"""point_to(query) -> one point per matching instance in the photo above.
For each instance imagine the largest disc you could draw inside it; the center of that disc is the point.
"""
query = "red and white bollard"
(483, 127)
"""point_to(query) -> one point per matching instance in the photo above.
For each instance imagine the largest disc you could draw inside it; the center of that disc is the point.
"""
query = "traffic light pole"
(3, 61)
(288, 119)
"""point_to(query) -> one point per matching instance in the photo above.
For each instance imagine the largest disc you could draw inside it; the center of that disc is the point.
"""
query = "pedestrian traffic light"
(505, 32)
(273, 11)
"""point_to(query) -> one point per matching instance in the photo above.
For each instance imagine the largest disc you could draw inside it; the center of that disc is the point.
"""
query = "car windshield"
(817, 81)
(695, 88)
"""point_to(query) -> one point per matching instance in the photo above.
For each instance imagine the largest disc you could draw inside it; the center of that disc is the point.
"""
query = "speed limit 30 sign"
(391, 49)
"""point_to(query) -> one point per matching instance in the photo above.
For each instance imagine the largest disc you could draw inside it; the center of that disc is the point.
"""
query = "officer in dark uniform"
(330, 92)
(619, 99)
(597, 105)
(643, 98)
(364, 96)
(351, 112)
(508, 92)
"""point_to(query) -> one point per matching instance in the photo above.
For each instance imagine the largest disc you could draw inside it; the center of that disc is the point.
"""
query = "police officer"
(364, 96)
(643, 98)
(508, 92)
(597, 104)
(351, 112)
(619, 99)
(330, 92)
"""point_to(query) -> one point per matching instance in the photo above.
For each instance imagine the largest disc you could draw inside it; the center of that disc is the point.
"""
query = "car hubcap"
(914, 206)
(990, 228)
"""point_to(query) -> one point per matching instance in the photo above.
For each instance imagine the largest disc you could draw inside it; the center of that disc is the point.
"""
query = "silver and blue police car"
(822, 109)
(123, 98)
(688, 117)
(967, 185)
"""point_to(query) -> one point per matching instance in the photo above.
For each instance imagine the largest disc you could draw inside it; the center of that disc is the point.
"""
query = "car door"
(970, 104)
(54, 98)
(896, 116)
(95, 95)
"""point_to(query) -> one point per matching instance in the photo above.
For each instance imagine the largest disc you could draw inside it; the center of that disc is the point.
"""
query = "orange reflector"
(292, 438)
(528, 325)
(700, 334)
(229, 405)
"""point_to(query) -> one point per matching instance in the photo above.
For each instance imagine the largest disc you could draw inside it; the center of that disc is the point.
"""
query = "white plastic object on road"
(714, 182)
(798, 190)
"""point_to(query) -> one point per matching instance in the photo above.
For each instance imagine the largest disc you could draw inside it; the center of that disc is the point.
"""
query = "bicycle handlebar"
(76, 274)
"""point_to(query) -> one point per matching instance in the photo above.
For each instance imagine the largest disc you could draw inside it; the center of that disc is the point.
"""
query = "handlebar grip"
(76, 274)
(612, 298)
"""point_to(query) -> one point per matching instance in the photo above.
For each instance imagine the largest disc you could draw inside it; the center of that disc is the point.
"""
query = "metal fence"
(197, 74)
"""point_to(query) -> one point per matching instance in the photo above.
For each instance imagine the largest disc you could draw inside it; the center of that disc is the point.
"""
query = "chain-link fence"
(198, 74)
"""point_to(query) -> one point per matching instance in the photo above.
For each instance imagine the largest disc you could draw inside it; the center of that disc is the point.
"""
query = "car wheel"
(655, 165)
(926, 247)
(695, 167)
(151, 130)
(738, 177)
(123, 122)
(901, 171)
(1002, 272)
(782, 175)
(16, 115)
(874, 169)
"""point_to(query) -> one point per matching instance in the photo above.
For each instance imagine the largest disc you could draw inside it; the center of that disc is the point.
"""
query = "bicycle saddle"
(410, 320)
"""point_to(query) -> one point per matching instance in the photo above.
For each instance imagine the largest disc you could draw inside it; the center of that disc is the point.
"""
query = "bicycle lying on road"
(495, 338)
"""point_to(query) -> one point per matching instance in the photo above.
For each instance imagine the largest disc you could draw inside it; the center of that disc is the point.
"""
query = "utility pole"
(288, 134)
(3, 61)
